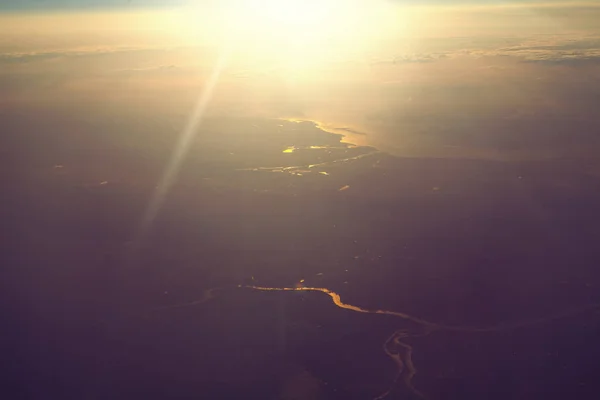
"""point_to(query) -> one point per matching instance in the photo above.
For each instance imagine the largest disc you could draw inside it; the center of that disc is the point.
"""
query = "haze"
(300, 199)
(435, 79)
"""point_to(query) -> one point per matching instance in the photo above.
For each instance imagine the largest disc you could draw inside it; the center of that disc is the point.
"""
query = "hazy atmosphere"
(168, 165)
(440, 79)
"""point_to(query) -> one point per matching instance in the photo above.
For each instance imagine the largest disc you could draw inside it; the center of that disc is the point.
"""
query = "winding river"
(395, 346)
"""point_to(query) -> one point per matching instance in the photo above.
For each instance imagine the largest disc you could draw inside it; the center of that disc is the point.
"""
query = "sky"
(144, 3)
(445, 79)
(82, 4)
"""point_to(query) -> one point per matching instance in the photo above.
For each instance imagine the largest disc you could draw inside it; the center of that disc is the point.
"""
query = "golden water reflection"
(395, 346)
(307, 167)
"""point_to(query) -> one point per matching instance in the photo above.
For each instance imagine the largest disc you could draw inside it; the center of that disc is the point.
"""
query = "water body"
(395, 346)
(448, 278)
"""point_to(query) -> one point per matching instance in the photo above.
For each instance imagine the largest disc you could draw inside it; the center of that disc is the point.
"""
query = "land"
(93, 303)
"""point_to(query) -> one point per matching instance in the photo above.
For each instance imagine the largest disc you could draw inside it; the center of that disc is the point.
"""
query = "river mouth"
(468, 244)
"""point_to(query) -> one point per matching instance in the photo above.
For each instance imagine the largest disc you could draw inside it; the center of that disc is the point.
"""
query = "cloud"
(472, 95)
(154, 68)
(411, 58)
(562, 49)
(33, 56)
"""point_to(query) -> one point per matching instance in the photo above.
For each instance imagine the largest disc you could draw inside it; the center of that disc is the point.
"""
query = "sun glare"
(284, 21)
(290, 13)
(299, 37)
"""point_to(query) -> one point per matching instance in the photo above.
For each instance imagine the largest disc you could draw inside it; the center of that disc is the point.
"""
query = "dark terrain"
(455, 241)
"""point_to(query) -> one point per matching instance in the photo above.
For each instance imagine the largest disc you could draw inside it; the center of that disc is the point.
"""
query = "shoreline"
(347, 134)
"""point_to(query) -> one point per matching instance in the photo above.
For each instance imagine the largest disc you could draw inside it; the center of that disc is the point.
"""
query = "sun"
(290, 13)
(260, 20)
(291, 20)
(299, 36)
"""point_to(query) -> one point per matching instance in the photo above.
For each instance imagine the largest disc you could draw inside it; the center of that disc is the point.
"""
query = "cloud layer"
(436, 92)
